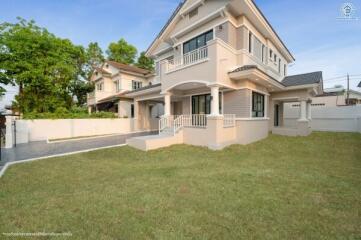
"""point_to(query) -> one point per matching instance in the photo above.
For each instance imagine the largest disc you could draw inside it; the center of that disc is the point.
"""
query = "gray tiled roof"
(302, 79)
(244, 68)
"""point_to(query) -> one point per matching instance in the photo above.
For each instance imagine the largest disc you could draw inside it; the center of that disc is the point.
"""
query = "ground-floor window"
(201, 104)
(257, 104)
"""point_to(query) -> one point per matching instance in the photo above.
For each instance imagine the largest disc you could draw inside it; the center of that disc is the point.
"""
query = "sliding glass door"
(201, 104)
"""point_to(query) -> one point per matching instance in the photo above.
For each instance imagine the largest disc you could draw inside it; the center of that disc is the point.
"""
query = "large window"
(201, 104)
(197, 42)
(100, 86)
(136, 84)
(257, 104)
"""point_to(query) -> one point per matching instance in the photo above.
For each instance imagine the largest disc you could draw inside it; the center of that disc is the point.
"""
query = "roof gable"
(186, 5)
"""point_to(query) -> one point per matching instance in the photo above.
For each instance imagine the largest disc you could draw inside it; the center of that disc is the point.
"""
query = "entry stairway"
(170, 131)
(189, 129)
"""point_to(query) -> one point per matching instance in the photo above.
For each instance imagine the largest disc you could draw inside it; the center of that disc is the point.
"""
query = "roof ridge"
(114, 64)
(303, 74)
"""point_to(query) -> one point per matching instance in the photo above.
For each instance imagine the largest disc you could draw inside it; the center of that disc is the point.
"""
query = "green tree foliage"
(145, 62)
(122, 52)
(44, 66)
(79, 89)
(95, 58)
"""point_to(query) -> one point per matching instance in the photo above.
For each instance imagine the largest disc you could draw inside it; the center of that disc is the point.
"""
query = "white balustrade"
(188, 58)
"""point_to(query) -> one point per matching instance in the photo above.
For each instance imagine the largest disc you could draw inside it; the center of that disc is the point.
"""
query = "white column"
(89, 109)
(215, 100)
(167, 104)
(309, 111)
(266, 106)
(303, 114)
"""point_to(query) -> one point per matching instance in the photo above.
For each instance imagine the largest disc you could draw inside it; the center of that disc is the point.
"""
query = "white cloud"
(333, 60)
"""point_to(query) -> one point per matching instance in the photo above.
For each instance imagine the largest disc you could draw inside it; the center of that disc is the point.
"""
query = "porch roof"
(113, 98)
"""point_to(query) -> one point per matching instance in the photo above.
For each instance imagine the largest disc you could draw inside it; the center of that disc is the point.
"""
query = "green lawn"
(278, 188)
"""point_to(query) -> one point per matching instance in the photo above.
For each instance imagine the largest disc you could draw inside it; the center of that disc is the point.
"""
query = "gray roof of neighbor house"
(359, 85)
(129, 68)
(302, 79)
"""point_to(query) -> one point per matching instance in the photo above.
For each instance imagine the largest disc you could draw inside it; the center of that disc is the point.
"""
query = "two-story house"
(112, 80)
(222, 73)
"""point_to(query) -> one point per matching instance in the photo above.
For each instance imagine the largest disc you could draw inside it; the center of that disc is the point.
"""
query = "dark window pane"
(201, 41)
(209, 35)
(193, 45)
(257, 105)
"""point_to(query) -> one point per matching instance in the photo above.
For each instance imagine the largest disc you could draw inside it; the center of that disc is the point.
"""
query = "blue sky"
(310, 29)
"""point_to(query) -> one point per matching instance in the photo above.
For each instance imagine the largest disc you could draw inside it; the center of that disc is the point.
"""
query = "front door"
(276, 115)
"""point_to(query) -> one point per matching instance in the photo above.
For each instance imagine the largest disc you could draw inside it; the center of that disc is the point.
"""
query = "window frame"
(258, 105)
(100, 86)
(250, 43)
(136, 84)
(187, 47)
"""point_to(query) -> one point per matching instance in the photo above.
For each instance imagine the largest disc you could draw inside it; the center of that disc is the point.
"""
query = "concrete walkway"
(44, 149)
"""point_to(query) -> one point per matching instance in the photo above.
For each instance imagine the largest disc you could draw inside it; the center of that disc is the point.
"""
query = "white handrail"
(176, 123)
(188, 58)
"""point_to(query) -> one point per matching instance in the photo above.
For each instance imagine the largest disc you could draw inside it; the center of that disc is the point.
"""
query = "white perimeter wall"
(40, 130)
(338, 119)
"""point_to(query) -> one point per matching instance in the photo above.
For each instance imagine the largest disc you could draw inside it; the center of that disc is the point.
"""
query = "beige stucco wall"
(195, 136)
(251, 131)
(40, 130)
(238, 102)
(124, 109)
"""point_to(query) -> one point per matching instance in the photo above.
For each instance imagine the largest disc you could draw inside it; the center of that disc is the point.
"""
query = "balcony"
(188, 59)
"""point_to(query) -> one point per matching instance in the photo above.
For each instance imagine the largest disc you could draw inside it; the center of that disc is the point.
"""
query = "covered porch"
(193, 114)
(302, 125)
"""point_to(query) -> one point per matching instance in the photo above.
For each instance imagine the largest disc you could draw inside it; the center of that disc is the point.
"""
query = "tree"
(41, 64)
(145, 62)
(79, 89)
(122, 52)
(94, 58)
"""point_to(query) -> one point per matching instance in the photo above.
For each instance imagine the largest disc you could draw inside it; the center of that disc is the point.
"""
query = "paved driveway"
(43, 149)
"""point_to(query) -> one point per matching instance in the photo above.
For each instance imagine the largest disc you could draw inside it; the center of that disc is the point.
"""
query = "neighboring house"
(222, 73)
(333, 97)
(112, 80)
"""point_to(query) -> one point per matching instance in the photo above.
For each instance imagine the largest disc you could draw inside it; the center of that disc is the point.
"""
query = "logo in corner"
(348, 12)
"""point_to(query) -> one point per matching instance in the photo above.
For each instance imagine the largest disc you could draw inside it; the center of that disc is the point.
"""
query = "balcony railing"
(187, 59)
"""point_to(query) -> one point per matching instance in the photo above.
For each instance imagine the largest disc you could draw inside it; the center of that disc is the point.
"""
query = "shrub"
(73, 113)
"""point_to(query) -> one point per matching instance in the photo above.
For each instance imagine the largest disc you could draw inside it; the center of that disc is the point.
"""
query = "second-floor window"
(136, 84)
(197, 42)
(250, 42)
(279, 65)
(100, 86)
(117, 86)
